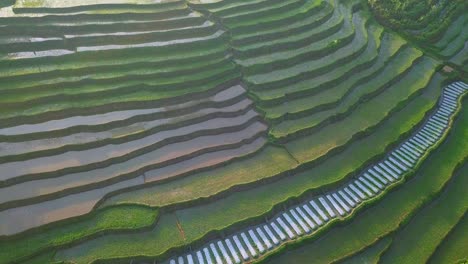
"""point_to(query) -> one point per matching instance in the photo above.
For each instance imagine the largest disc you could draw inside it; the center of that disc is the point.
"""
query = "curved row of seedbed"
(106, 98)
(308, 217)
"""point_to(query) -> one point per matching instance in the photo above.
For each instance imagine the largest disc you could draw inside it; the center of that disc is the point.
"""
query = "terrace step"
(85, 41)
(292, 61)
(323, 97)
(83, 160)
(81, 203)
(106, 61)
(50, 90)
(262, 14)
(71, 8)
(297, 23)
(307, 87)
(151, 91)
(400, 68)
(20, 137)
(277, 39)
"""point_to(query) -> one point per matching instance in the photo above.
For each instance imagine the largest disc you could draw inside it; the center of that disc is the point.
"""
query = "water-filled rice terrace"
(233, 131)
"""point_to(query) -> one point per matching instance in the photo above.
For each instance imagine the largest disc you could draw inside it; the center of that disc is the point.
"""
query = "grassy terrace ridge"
(140, 126)
(398, 70)
(296, 80)
(100, 82)
(365, 116)
(119, 218)
(318, 85)
(430, 225)
(274, 12)
(265, 39)
(393, 209)
(234, 210)
(290, 63)
(453, 247)
(296, 24)
(87, 4)
(369, 57)
(268, 162)
(81, 180)
(86, 64)
(128, 71)
(64, 188)
(138, 91)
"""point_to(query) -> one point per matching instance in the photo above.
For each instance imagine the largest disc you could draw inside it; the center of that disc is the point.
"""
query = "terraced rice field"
(195, 131)
(438, 26)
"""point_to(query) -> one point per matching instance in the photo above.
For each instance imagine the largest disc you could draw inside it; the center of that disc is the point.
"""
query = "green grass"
(269, 162)
(416, 242)
(111, 219)
(453, 248)
(396, 207)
